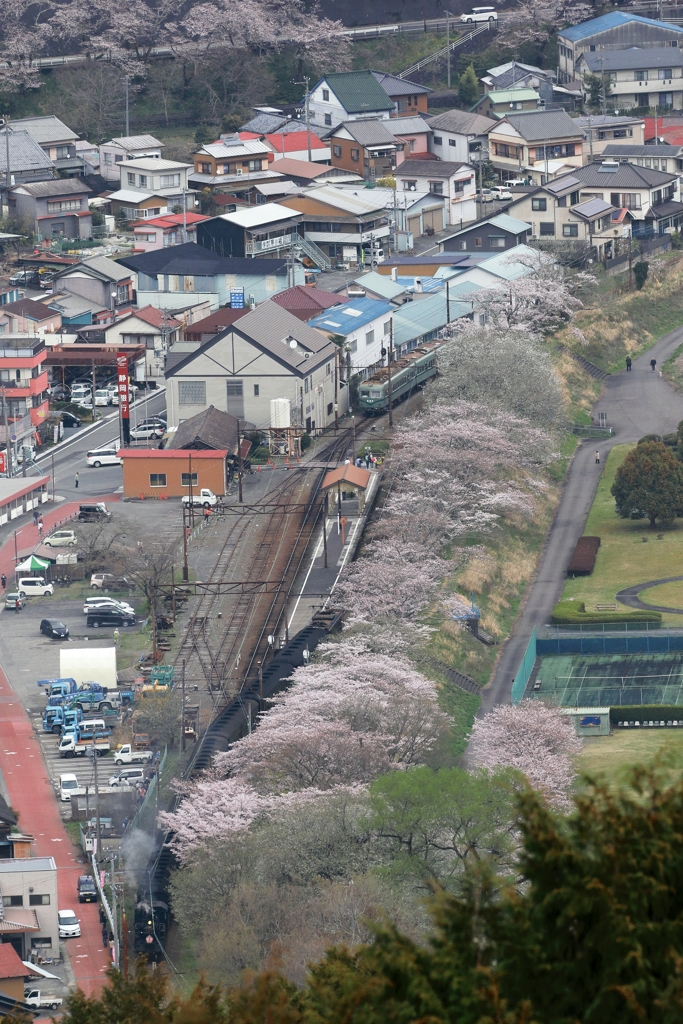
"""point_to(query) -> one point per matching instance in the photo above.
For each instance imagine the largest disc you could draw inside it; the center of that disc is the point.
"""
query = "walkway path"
(636, 403)
(629, 596)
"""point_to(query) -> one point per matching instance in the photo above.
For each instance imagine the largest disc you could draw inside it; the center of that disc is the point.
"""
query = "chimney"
(394, 273)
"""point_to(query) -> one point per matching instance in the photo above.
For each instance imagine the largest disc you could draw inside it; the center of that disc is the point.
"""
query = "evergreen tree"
(649, 484)
(640, 273)
(468, 87)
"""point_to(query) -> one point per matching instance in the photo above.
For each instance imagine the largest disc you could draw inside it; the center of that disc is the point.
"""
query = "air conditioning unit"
(239, 170)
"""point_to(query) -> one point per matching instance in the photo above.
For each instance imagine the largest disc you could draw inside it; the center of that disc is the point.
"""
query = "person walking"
(17, 606)
(653, 364)
(597, 458)
(367, 460)
(116, 636)
(76, 479)
(628, 364)
(40, 526)
(36, 516)
(3, 580)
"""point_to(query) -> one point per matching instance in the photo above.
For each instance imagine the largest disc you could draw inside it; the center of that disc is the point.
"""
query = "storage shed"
(155, 473)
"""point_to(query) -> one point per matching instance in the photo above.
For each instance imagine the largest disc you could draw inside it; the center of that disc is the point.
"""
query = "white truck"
(204, 499)
(126, 755)
(87, 663)
(71, 747)
(34, 998)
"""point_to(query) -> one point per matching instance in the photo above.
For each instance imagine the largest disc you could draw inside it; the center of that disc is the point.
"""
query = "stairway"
(306, 247)
(591, 369)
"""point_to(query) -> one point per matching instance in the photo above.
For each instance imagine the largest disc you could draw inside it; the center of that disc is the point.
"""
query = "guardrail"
(444, 50)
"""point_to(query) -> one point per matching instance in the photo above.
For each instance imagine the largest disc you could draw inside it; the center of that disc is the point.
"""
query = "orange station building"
(165, 473)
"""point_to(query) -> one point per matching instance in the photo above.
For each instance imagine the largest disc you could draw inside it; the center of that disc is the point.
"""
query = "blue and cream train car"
(408, 373)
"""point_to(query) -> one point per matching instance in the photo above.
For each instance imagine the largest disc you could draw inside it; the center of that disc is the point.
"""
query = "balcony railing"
(15, 427)
(270, 244)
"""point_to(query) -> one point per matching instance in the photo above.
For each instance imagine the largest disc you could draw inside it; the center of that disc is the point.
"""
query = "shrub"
(640, 273)
(305, 442)
(574, 613)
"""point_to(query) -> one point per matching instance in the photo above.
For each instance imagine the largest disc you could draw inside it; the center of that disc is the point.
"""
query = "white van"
(67, 785)
(34, 586)
(479, 14)
(104, 457)
(127, 777)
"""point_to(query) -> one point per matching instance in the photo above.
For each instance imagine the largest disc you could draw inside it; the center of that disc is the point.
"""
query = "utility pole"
(184, 214)
(53, 477)
(630, 264)
(448, 306)
(389, 361)
(307, 99)
(182, 712)
(190, 494)
(8, 175)
(336, 388)
(448, 43)
(603, 98)
(325, 512)
(114, 909)
(239, 459)
(185, 570)
(127, 113)
(98, 831)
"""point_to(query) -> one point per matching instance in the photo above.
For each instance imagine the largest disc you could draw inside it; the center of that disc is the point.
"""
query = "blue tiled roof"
(349, 317)
(612, 20)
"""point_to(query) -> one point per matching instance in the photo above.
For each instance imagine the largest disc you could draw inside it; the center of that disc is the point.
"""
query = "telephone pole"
(389, 368)
(307, 81)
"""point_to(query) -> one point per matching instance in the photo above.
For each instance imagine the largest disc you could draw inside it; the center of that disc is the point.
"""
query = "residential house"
(412, 136)
(546, 140)
(659, 158)
(89, 155)
(157, 177)
(168, 278)
(651, 77)
(408, 97)
(77, 311)
(107, 283)
(499, 102)
(306, 302)
(429, 264)
(211, 430)
(378, 286)
(209, 326)
(137, 206)
(489, 272)
(231, 155)
(303, 173)
(293, 145)
(340, 221)
(367, 147)
(488, 235)
(348, 96)
(23, 384)
(272, 120)
(131, 147)
(56, 140)
(411, 213)
(265, 355)
(515, 75)
(601, 130)
(460, 135)
(56, 209)
(617, 30)
(13, 973)
(170, 229)
(27, 160)
(26, 316)
(652, 197)
(256, 231)
(365, 326)
(451, 179)
(154, 328)
(418, 322)
(28, 887)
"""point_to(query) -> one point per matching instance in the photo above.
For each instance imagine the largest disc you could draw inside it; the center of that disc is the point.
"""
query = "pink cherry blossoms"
(536, 739)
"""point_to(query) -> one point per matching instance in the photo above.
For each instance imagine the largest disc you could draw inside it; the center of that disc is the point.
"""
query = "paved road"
(636, 403)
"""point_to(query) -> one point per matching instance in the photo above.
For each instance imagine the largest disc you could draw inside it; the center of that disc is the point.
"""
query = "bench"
(607, 607)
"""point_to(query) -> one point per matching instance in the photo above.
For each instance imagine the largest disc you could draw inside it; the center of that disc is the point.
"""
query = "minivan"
(34, 586)
(93, 513)
(127, 777)
(67, 785)
(109, 617)
(103, 457)
(61, 539)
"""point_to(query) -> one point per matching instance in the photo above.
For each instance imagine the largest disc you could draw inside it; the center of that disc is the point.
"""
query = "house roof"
(395, 86)
(173, 453)
(347, 474)
(400, 126)
(506, 266)
(506, 76)
(126, 195)
(54, 187)
(310, 171)
(11, 965)
(414, 319)
(625, 60)
(625, 175)
(306, 302)
(277, 188)
(380, 284)
(18, 919)
(359, 202)
(102, 267)
(155, 317)
(429, 168)
(45, 129)
(542, 125)
(520, 95)
(591, 208)
(73, 305)
(256, 216)
(170, 220)
(625, 149)
(612, 20)
(212, 427)
(293, 142)
(368, 133)
(190, 258)
(195, 178)
(28, 308)
(667, 209)
(358, 91)
(354, 313)
(154, 163)
(234, 147)
(24, 154)
(607, 120)
(133, 142)
(264, 124)
(461, 122)
(502, 221)
(214, 323)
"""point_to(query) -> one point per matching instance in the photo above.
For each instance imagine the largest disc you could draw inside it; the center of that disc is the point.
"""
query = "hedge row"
(574, 613)
(582, 561)
(646, 713)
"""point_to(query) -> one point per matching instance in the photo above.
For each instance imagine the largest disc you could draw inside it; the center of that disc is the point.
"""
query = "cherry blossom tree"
(391, 581)
(536, 19)
(536, 739)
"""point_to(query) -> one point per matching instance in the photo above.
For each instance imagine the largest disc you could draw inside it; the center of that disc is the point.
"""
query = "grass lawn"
(630, 552)
(613, 757)
(670, 595)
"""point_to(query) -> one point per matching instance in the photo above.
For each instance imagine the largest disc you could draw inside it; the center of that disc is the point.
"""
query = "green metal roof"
(358, 91)
(415, 319)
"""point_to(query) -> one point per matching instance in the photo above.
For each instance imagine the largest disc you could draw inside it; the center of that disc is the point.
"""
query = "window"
(369, 338)
(185, 480)
(451, 142)
(130, 178)
(631, 200)
(328, 369)
(436, 187)
(409, 186)
(411, 143)
(257, 390)
(355, 155)
(352, 346)
(158, 479)
(153, 238)
(666, 99)
(337, 150)
(107, 159)
(63, 151)
(235, 398)
(59, 206)
(39, 900)
(192, 392)
(539, 204)
(547, 228)
(615, 199)
(477, 243)
(573, 198)
(13, 901)
(643, 99)
(562, 201)
(142, 180)
(328, 118)
(330, 408)
(496, 241)
(205, 168)
(503, 149)
(387, 327)
(657, 196)
(437, 140)
(661, 74)
(570, 230)
(640, 76)
(118, 159)
(305, 385)
(169, 180)
(326, 95)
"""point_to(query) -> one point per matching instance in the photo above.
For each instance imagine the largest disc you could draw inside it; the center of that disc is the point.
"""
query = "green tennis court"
(609, 680)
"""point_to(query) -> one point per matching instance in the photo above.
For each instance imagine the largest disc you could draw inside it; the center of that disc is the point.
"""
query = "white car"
(480, 14)
(102, 396)
(34, 586)
(69, 925)
(80, 391)
(148, 432)
(500, 192)
(61, 539)
(104, 457)
(100, 603)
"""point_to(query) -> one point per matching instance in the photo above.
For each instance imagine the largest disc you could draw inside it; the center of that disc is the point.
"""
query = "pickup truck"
(126, 755)
(204, 499)
(34, 998)
(70, 746)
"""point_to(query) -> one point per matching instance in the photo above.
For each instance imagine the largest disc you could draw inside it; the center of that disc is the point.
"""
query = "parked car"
(149, 432)
(61, 539)
(107, 581)
(94, 513)
(67, 785)
(104, 457)
(109, 617)
(34, 586)
(69, 925)
(156, 421)
(500, 192)
(12, 598)
(69, 420)
(127, 777)
(102, 397)
(46, 280)
(55, 629)
(95, 604)
(60, 392)
(27, 278)
(87, 890)
(486, 195)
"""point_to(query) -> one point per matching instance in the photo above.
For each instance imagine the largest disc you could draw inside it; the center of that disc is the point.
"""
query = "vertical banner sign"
(3, 462)
(123, 390)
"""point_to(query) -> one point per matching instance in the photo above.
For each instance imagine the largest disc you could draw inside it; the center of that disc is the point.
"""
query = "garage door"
(414, 225)
(433, 219)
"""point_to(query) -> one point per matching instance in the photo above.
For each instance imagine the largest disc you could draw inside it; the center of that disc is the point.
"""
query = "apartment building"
(617, 30)
(131, 147)
(651, 77)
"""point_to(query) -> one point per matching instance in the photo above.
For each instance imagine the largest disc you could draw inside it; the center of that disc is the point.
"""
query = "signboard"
(124, 395)
(3, 462)
(237, 298)
(589, 720)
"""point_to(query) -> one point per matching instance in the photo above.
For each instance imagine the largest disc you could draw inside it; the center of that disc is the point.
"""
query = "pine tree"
(468, 87)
